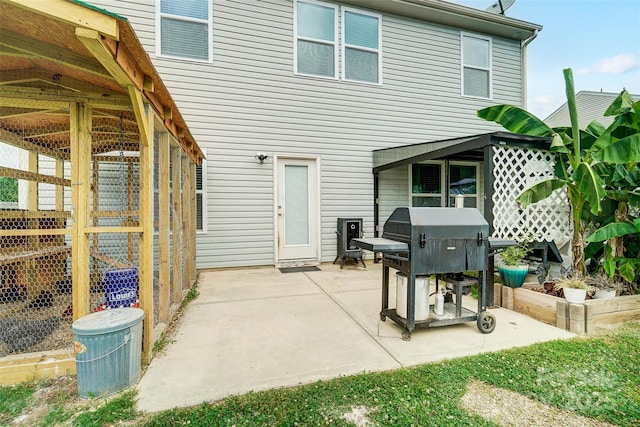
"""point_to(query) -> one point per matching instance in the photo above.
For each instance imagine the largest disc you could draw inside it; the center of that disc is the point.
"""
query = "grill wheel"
(486, 322)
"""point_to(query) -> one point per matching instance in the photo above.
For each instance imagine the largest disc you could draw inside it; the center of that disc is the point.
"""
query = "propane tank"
(439, 305)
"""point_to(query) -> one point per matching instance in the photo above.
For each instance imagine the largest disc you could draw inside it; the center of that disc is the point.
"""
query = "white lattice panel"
(516, 169)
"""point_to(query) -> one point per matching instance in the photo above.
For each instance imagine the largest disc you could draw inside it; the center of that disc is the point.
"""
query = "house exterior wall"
(249, 100)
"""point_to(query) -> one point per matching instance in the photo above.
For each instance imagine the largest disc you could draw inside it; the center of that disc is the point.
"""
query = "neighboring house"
(590, 105)
(296, 102)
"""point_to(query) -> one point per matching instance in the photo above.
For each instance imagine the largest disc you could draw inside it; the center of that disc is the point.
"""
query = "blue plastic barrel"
(121, 287)
(108, 347)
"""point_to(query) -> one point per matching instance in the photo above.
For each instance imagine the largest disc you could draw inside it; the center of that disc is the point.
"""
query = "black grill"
(448, 243)
(348, 229)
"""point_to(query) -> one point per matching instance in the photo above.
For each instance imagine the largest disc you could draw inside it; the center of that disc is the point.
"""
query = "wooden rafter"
(33, 176)
(54, 53)
(81, 16)
(15, 140)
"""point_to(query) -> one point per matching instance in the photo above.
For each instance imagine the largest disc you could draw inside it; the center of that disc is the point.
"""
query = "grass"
(598, 377)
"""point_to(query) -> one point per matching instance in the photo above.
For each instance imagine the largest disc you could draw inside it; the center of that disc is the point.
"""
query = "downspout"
(523, 68)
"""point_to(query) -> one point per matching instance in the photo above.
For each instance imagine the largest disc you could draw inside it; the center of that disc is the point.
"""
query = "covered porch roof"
(389, 158)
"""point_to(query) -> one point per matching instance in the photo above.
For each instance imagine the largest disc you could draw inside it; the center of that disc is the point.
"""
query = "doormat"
(298, 269)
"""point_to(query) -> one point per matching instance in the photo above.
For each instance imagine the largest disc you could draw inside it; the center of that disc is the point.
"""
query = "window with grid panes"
(317, 42)
(185, 29)
(476, 66)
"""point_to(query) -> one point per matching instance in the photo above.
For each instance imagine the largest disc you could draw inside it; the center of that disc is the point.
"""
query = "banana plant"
(574, 170)
(618, 151)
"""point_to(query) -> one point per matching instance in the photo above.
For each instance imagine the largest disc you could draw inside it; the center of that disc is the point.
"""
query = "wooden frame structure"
(69, 74)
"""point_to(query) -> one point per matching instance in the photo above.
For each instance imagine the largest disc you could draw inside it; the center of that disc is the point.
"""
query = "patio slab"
(255, 329)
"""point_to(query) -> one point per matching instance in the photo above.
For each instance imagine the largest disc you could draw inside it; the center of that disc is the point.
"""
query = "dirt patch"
(358, 416)
(508, 408)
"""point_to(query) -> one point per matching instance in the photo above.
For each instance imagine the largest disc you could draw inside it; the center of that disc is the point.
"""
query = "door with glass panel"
(297, 210)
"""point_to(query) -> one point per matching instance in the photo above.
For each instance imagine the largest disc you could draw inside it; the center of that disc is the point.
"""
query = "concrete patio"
(256, 329)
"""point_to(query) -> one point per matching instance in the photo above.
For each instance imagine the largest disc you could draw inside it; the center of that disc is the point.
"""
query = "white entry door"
(297, 210)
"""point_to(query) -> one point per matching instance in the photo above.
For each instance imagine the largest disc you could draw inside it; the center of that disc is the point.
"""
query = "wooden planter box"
(578, 318)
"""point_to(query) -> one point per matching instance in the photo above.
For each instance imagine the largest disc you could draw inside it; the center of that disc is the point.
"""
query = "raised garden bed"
(578, 318)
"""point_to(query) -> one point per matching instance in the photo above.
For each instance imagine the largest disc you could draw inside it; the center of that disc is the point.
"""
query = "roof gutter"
(523, 68)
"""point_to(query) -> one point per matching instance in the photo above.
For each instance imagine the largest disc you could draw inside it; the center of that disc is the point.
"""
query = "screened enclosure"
(97, 182)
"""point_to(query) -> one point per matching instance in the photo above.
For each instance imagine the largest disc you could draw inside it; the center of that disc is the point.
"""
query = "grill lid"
(435, 223)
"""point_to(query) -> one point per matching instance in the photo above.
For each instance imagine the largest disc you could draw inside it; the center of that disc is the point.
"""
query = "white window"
(476, 66)
(184, 29)
(201, 196)
(317, 41)
(361, 46)
(316, 34)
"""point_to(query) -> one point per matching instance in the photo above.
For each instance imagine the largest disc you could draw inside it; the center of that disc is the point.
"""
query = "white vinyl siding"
(249, 100)
(476, 66)
(184, 29)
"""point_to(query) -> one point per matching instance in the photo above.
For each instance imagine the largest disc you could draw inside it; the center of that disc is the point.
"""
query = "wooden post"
(164, 228)
(80, 133)
(177, 227)
(33, 241)
(145, 273)
(186, 219)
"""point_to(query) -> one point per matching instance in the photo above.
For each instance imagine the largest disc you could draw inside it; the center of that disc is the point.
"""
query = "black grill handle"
(423, 239)
(480, 239)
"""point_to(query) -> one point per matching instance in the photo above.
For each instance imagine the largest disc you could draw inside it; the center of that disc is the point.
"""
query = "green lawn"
(597, 377)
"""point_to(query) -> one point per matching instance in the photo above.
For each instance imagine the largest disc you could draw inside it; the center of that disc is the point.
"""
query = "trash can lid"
(106, 321)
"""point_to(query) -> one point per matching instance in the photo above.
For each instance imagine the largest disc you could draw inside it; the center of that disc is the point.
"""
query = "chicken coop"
(97, 183)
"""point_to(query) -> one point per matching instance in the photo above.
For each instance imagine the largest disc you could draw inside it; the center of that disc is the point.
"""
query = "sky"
(598, 39)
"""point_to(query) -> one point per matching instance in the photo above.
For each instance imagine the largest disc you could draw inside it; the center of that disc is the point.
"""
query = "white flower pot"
(576, 296)
(601, 294)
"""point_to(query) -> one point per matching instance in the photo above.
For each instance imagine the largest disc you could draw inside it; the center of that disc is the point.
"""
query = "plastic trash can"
(108, 347)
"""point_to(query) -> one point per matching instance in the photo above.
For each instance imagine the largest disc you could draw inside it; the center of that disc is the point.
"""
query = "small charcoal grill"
(445, 242)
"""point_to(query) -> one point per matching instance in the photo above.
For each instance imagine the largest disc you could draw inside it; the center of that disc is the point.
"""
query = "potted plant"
(574, 289)
(512, 270)
(603, 286)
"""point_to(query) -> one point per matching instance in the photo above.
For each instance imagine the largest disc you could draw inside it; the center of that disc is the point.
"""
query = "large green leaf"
(590, 185)
(627, 269)
(622, 104)
(573, 112)
(540, 191)
(595, 128)
(623, 151)
(615, 229)
(516, 120)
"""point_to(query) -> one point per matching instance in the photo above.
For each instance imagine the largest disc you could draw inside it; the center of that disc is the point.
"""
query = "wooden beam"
(80, 130)
(91, 230)
(141, 115)
(73, 14)
(145, 245)
(179, 232)
(39, 214)
(15, 140)
(164, 227)
(33, 177)
(59, 188)
(92, 40)
(35, 232)
(59, 99)
(51, 52)
(34, 366)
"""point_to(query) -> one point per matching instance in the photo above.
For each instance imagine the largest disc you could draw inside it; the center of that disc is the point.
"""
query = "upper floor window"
(476, 66)
(317, 41)
(185, 29)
